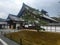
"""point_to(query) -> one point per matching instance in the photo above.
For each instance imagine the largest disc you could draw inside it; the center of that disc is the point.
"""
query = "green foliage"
(28, 16)
(42, 22)
(38, 28)
(33, 16)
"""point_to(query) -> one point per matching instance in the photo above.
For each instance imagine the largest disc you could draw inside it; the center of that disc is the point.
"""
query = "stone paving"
(1, 43)
(8, 41)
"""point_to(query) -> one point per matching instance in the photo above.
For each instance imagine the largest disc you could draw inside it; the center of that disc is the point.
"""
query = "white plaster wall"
(51, 28)
(6, 27)
(17, 25)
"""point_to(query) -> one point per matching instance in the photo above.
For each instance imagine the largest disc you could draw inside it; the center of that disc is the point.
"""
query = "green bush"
(42, 29)
(39, 28)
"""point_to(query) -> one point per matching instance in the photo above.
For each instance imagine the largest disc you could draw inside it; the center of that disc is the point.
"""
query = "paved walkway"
(8, 41)
(1, 43)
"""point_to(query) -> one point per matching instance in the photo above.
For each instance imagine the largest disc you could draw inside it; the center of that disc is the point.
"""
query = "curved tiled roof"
(14, 18)
(26, 7)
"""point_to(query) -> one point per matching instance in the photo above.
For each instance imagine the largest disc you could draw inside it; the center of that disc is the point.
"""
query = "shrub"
(39, 28)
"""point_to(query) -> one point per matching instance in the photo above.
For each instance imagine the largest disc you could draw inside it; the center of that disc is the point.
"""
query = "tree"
(33, 17)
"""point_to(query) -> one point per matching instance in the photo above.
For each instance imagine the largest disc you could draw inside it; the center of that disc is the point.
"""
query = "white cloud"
(9, 7)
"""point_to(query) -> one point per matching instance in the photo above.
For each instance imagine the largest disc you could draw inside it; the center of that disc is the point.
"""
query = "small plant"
(39, 28)
(42, 29)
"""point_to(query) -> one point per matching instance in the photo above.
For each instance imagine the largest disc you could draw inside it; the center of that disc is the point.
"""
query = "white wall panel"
(52, 28)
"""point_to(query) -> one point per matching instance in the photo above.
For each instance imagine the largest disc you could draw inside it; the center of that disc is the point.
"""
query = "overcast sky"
(14, 6)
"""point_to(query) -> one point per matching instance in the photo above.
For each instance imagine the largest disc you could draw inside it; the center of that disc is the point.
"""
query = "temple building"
(3, 23)
(33, 12)
(25, 17)
(14, 21)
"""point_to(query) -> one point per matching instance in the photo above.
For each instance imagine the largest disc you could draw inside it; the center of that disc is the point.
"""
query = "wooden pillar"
(11, 26)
